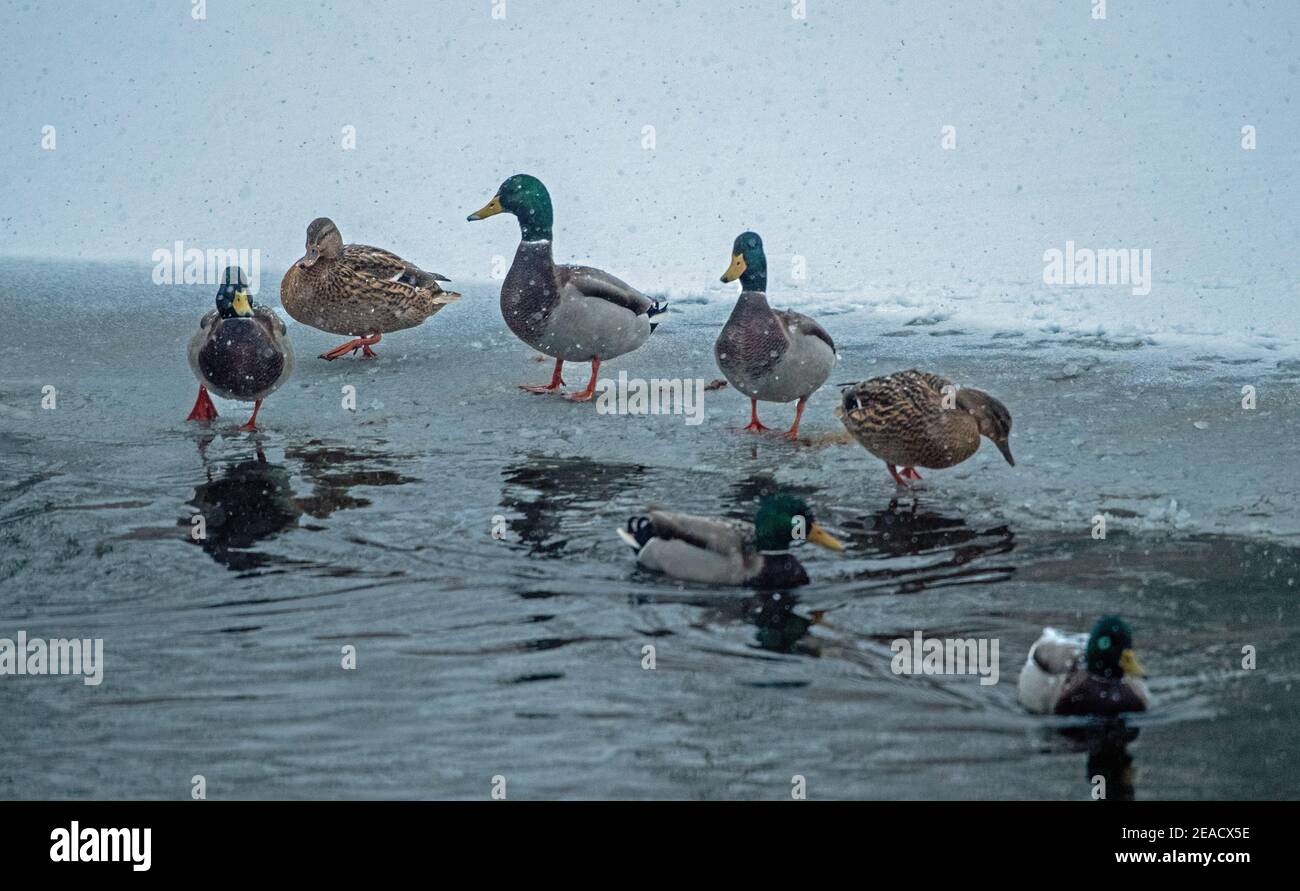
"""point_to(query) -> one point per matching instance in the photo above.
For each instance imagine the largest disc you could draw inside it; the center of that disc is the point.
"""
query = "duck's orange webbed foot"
(251, 425)
(555, 384)
(587, 394)
(361, 343)
(754, 424)
(203, 409)
(793, 433)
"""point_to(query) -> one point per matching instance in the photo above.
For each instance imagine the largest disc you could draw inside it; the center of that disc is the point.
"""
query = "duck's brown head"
(323, 240)
(992, 416)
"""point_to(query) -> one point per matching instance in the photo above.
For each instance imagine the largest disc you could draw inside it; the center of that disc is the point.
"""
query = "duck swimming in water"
(728, 552)
(570, 313)
(1077, 674)
(240, 351)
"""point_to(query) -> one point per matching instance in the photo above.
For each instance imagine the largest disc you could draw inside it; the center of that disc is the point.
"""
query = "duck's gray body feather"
(710, 551)
(574, 313)
(701, 549)
(773, 355)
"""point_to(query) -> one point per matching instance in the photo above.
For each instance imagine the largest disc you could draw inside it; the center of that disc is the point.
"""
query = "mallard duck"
(240, 351)
(1077, 674)
(570, 313)
(729, 552)
(915, 419)
(769, 354)
(360, 291)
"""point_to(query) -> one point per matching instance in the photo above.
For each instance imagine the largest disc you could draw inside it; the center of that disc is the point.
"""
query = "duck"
(769, 355)
(1084, 674)
(241, 351)
(719, 551)
(358, 291)
(569, 313)
(914, 419)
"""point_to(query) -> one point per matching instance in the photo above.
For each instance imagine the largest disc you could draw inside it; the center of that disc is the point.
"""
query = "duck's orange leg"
(893, 471)
(556, 381)
(585, 395)
(793, 432)
(203, 409)
(361, 343)
(910, 473)
(753, 419)
(251, 426)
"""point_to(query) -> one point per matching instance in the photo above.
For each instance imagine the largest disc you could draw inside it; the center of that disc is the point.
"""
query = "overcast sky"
(823, 133)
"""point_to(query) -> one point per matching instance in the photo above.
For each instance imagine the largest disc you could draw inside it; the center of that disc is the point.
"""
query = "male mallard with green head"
(728, 552)
(1077, 674)
(240, 351)
(915, 419)
(570, 313)
(769, 354)
(359, 291)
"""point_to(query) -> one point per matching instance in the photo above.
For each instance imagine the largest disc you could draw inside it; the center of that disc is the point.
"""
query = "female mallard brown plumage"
(571, 313)
(240, 351)
(769, 354)
(1076, 674)
(360, 291)
(915, 419)
(727, 552)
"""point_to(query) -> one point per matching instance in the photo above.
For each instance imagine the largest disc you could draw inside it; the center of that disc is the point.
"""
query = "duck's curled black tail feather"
(657, 309)
(641, 529)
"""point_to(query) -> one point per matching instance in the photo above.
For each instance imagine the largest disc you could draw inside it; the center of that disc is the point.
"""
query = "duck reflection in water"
(1109, 771)
(251, 501)
(248, 502)
(959, 552)
(779, 628)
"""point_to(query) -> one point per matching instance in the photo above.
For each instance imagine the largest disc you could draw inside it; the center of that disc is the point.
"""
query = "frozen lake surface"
(522, 656)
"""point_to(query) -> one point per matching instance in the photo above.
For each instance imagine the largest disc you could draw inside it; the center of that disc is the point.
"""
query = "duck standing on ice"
(770, 355)
(240, 351)
(359, 291)
(570, 313)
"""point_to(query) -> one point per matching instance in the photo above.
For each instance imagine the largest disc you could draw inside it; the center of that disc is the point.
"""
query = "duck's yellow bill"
(1129, 661)
(735, 270)
(241, 304)
(819, 536)
(491, 209)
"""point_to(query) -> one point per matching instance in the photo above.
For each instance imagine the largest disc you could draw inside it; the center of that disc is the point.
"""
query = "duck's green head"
(526, 198)
(784, 519)
(1110, 649)
(748, 262)
(232, 296)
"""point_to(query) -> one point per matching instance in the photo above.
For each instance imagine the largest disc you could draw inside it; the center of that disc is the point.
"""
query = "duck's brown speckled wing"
(907, 395)
(714, 534)
(798, 323)
(387, 266)
(901, 418)
(591, 282)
